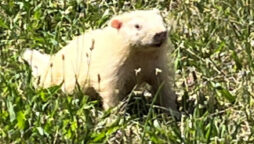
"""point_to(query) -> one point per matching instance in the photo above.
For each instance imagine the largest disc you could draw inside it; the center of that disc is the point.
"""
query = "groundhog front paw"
(107, 104)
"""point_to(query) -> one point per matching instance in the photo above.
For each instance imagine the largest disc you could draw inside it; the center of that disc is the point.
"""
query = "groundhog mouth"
(157, 44)
(151, 45)
(159, 39)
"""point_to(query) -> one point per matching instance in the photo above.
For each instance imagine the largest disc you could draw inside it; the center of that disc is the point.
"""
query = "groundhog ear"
(116, 24)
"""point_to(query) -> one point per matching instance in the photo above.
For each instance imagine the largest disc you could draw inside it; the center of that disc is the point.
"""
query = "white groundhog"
(131, 50)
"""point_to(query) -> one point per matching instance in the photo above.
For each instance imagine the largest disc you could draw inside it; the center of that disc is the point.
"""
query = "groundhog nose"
(159, 38)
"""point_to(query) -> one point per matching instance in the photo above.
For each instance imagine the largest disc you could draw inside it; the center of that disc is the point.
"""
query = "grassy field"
(213, 58)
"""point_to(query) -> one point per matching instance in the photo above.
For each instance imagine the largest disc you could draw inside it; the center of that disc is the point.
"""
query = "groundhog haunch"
(131, 50)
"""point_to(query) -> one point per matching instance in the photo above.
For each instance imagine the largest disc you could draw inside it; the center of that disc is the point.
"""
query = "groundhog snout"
(159, 38)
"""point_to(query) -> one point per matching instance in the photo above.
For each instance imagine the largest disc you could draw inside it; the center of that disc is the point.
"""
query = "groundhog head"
(141, 28)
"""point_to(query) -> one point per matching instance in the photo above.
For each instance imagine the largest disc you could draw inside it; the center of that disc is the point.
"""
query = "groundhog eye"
(137, 26)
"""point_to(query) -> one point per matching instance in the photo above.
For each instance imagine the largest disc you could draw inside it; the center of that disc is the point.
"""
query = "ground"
(213, 60)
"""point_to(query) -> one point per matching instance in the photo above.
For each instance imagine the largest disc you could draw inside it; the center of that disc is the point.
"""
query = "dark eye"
(137, 26)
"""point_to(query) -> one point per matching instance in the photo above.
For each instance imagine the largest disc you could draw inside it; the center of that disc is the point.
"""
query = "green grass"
(214, 80)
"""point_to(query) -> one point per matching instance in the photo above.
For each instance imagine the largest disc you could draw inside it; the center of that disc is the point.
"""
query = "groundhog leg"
(108, 100)
(109, 96)
(166, 97)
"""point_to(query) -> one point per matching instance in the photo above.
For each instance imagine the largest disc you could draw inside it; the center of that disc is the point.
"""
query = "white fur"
(32, 57)
(107, 60)
(150, 22)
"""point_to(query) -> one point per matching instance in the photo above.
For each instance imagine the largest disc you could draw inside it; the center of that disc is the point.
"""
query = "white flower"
(252, 43)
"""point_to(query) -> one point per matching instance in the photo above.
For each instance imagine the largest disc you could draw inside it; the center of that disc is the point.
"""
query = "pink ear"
(116, 24)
